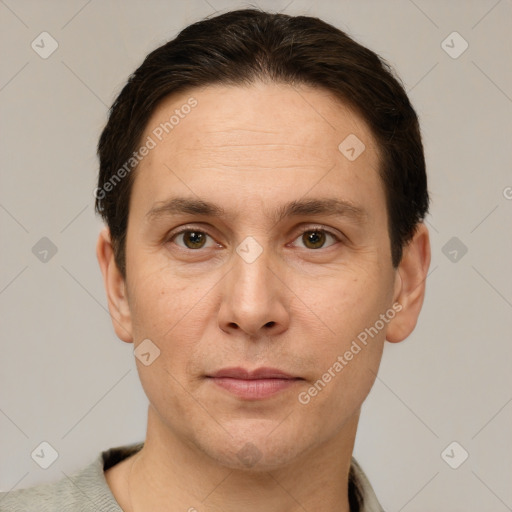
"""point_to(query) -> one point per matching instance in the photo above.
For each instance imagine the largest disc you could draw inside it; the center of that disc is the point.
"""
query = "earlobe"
(115, 287)
(410, 285)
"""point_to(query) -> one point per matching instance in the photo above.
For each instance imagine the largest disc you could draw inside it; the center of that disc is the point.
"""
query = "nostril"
(270, 324)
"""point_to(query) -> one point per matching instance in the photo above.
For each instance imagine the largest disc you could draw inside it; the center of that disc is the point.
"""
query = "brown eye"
(313, 239)
(195, 238)
(192, 239)
(316, 238)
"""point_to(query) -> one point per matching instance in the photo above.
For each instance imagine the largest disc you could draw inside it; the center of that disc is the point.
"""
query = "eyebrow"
(305, 207)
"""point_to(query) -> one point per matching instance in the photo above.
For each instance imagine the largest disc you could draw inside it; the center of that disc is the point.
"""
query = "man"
(263, 183)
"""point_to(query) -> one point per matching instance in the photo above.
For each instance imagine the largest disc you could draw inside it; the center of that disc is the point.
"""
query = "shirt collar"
(361, 496)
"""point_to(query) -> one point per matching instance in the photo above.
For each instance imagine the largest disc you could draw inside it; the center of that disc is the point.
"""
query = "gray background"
(65, 377)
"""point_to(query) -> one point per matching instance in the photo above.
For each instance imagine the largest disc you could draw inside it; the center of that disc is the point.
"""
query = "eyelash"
(316, 229)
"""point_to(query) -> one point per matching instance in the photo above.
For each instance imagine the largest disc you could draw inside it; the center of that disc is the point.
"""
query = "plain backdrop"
(68, 381)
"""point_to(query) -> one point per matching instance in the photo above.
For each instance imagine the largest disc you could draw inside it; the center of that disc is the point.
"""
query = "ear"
(410, 282)
(115, 287)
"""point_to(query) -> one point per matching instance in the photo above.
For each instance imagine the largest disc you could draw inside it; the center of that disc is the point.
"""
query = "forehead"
(259, 137)
(310, 117)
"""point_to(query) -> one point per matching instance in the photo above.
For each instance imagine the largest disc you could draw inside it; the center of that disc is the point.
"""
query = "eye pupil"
(316, 238)
(197, 239)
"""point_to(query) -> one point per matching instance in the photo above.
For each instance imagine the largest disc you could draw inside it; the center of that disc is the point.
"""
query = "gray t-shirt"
(88, 491)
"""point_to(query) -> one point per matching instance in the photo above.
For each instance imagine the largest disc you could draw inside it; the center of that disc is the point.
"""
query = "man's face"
(293, 296)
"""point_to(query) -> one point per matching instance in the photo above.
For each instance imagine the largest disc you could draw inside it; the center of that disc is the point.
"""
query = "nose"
(254, 300)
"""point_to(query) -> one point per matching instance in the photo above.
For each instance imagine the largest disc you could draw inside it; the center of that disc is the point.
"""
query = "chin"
(255, 449)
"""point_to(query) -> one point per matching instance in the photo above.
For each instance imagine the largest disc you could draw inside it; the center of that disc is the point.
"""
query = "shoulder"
(63, 495)
(60, 495)
(84, 491)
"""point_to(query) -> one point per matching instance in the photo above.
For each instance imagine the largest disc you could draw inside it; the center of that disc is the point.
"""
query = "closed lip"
(258, 373)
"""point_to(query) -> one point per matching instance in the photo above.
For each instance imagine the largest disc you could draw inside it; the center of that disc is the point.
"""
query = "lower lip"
(254, 389)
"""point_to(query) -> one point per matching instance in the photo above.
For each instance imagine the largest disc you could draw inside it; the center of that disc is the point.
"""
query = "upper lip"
(259, 373)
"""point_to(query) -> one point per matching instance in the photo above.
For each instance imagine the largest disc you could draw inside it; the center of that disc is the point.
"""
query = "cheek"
(351, 354)
(349, 304)
(172, 315)
(346, 371)
(171, 312)
(159, 299)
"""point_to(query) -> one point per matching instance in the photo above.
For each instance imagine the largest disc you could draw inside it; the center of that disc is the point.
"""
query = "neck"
(171, 475)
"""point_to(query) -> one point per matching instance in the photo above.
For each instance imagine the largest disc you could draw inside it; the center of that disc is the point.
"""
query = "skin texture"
(297, 307)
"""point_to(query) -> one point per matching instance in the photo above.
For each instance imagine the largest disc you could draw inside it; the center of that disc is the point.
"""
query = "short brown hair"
(242, 46)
